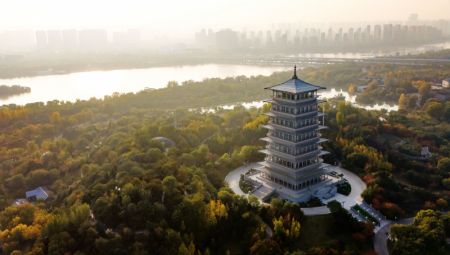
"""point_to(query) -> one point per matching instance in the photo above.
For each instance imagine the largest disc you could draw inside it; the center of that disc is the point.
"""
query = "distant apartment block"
(446, 83)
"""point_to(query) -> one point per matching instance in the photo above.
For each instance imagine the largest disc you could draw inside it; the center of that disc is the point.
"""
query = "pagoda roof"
(295, 85)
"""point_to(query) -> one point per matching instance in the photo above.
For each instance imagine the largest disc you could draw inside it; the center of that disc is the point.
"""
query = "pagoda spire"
(295, 73)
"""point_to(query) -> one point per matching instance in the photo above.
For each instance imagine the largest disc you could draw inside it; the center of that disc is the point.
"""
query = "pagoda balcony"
(274, 113)
(272, 126)
(322, 153)
(269, 138)
(271, 165)
(290, 157)
(298, 178)
(288, 101)
(293, 103)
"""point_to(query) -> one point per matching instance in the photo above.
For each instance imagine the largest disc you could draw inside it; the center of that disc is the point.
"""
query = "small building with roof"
(166, 142)
(36, 194)
(446, 83)
(20, 201)
(425, 152)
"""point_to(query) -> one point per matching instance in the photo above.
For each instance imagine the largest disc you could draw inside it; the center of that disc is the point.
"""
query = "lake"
(85, 85)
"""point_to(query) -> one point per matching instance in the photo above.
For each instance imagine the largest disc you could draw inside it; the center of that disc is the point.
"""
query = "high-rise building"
(387, 32)
(93, 39)
(226, 39)
(377, 33)
(293, 161)
(41, 39)
(70, 38)
(54, 39)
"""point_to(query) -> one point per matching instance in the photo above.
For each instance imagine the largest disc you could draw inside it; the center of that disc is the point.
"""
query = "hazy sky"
(195, 14)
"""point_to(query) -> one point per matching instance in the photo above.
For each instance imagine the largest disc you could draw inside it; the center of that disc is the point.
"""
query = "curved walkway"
(234, 176)
(380, 239)
(358, 186)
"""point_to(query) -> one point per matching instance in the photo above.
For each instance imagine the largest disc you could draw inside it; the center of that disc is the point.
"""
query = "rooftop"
(295, 85)
(166, 142)
(37, 194)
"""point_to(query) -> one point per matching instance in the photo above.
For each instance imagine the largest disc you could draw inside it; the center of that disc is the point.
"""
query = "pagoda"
(293, 166)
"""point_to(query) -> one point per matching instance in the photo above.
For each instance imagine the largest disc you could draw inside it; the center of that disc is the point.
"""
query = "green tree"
(435, 109)
(403, 102)
(424, 90)
(444, 165)
(339, 118)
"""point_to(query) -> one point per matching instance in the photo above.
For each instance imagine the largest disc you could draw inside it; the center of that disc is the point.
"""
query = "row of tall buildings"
(94, 39)
(367, 36)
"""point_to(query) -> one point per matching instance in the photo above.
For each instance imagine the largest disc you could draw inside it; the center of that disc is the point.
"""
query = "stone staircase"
(262, 192)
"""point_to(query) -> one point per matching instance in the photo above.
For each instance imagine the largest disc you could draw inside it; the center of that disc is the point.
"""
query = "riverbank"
(13, 90)
(87, 85)
(217, 85)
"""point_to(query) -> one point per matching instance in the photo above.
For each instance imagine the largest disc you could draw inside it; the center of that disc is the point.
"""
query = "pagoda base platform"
(323, 190)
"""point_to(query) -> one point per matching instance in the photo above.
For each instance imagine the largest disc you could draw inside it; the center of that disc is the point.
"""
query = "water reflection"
(400, 51)
(328, 94)
(85, 85)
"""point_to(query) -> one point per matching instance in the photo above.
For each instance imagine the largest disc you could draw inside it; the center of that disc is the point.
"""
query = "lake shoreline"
(240, 59)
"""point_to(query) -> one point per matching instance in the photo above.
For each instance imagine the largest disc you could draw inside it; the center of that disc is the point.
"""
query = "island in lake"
(8, 91)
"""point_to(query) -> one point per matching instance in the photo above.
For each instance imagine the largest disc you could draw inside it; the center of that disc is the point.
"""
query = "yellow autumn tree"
(287, 227)
(352, 89)
(403, 102)
(20, 227)
(215, 210)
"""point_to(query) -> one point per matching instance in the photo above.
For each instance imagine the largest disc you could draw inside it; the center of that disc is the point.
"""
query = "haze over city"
(195, 14)
(178, 16)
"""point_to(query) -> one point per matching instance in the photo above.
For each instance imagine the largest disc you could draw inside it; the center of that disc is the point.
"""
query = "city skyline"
(185, 17)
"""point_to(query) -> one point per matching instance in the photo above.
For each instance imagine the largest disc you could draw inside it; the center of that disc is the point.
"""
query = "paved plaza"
(347, 202)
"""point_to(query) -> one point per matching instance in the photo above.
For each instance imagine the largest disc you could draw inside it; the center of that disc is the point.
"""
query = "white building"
(446, 83)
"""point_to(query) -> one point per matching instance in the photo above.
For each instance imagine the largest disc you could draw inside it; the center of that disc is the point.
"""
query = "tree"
(435, 109)
(424, 90)
(215, 211)
(20, 227)
(352, 88)
(443, 165)
(55, 118)
(412, 101)
(265, 247)
(249, 153)
(406, 240)
(425, 236)
(39, 177)
(286, 227)
(339, 118)
(170, 189)
(446, 183)
(15, 184)
(356, 160)
(403, 102)
(447, 112)
(172, 84)
(189, 250)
